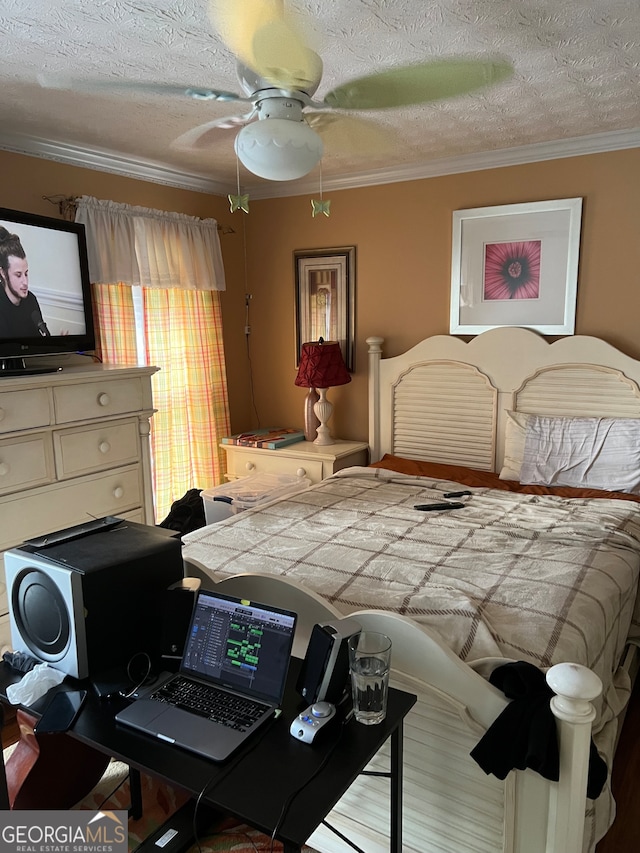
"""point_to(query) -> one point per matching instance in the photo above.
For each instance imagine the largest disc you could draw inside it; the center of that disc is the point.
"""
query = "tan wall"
(403, 237)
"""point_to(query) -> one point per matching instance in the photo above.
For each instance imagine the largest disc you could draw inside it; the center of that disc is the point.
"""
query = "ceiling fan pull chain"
(239, 201)
(320, 206)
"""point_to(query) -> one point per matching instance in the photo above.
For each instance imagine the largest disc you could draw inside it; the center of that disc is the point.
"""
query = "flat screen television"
(45, 296)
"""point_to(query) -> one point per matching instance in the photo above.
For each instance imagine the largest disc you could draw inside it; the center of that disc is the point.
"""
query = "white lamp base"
(311, 422)
(323, 409)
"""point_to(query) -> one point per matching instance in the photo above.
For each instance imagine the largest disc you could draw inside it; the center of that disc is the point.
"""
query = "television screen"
(45, 297)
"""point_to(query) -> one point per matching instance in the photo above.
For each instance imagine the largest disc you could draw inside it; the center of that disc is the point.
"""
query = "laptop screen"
(240, 644)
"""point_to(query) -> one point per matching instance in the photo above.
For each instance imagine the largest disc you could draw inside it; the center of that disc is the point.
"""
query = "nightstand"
(304, 458)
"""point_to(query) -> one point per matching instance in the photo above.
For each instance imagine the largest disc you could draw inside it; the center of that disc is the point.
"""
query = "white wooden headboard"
(445, 400)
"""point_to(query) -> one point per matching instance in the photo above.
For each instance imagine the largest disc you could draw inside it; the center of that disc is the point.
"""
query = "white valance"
(141, 246)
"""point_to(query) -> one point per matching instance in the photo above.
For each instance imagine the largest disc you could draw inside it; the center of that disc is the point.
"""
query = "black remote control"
(433, 507)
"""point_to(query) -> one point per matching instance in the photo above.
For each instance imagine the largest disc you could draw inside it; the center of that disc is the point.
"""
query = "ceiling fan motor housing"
(281, 146)
(275, 106)
(251, 81)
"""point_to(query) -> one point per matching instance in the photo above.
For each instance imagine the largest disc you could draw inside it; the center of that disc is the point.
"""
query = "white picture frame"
(516, 265)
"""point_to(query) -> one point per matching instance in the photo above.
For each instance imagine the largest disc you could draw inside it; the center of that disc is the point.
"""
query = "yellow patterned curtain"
(115, 324)
(184, 335)
(174, 262)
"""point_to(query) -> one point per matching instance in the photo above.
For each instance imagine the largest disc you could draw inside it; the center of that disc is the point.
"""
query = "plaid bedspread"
(523, 577)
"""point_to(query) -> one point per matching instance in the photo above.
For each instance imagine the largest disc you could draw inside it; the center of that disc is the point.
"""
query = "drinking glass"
(369, 664)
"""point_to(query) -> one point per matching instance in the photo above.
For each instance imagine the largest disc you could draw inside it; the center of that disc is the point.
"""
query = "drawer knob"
(4, 469)
(301, 472)
(104, 447)
(118, 492)
(103, 399)
(250, 466)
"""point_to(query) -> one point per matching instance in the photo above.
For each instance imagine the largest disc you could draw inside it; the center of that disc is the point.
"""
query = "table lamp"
(321, 367)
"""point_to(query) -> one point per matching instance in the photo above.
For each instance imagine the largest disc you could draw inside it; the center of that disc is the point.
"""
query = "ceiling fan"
(279, 74)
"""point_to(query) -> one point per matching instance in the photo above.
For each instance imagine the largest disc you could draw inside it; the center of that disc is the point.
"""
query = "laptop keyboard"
(236, 712)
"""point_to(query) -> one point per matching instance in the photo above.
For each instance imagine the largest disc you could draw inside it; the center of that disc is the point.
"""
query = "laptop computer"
(236, 649)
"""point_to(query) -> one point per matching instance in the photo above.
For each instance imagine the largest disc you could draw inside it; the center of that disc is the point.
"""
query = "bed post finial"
(575, 687)
(375, 354)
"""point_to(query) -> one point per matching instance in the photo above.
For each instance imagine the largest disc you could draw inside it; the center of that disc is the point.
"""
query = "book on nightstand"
(270, 438)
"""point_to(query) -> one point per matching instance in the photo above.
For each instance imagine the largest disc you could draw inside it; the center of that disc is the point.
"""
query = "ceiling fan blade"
(237, 23)
(350, 133)
(282, 57)
(268, 41)
(206, 135)
(199, 93)
(417, 84)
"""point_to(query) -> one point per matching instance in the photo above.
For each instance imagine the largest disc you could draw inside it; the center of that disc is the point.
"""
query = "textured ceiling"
(577, 76)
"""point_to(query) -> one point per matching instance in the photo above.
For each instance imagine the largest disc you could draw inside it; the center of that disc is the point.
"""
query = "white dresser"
(74, 445)
(304, 458)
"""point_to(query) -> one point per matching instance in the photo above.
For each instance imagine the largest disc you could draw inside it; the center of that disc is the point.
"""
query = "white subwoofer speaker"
(46, 607)
(87, 603)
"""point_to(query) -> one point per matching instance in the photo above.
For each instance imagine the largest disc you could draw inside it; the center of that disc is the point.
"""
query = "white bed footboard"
(450, 805)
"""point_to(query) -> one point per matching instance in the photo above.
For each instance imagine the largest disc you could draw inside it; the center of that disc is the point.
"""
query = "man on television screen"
(20, 314)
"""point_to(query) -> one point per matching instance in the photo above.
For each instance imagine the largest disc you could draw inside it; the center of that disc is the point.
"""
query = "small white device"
(306, 725)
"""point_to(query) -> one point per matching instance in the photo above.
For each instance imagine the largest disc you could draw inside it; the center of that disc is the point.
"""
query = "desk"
(274, 749)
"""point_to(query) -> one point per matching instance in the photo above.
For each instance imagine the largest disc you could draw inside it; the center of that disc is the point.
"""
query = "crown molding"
(161, 173)
(103, 160)
(575, 147)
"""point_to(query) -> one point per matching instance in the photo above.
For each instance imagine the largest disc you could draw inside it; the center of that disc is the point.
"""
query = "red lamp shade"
(322, 365)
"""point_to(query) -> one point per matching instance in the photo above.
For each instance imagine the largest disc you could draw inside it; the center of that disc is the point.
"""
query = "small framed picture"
(325, 298)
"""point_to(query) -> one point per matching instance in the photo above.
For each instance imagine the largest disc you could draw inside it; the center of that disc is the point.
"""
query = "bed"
(535, 573)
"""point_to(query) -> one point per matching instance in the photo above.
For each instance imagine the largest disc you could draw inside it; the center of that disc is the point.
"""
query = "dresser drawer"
(25, 462)
(21, 410)
(97, 399)
(243, 463)
(85, 449)
(134, 515)
(60, 505)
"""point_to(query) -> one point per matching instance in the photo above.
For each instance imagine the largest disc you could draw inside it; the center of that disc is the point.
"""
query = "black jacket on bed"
(524, 734)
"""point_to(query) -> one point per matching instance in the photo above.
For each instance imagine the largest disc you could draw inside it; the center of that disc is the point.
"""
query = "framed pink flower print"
(516, 265)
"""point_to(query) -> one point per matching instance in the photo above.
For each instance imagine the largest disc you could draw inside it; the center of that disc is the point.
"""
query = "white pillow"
(514, 435)
(596, 453)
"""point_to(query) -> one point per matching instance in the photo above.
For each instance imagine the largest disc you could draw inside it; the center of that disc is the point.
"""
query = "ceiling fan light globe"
(278, 149)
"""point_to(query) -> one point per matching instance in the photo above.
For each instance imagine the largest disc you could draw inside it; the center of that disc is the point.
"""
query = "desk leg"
(135, 790)
(396, 789)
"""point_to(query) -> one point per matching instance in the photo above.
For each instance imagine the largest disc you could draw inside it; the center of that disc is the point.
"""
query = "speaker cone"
(41, 614)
